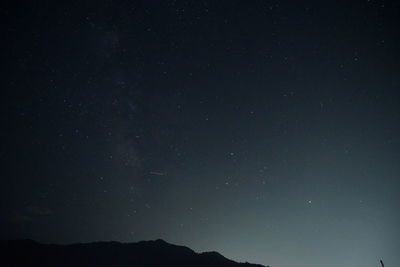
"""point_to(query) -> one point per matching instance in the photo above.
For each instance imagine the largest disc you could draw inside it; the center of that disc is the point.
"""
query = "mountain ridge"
(149, 253)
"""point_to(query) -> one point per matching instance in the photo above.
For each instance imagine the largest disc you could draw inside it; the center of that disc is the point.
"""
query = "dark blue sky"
(265, 130)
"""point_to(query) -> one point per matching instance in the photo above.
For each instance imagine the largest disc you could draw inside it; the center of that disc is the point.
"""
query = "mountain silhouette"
(106, 254)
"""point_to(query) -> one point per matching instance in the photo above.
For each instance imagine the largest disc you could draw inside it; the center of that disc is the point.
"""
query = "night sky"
(265, 130)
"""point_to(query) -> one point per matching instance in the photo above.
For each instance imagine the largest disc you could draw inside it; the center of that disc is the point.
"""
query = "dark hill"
(106, 254)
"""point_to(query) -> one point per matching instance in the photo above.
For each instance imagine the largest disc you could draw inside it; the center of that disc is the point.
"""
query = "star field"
(265, 130)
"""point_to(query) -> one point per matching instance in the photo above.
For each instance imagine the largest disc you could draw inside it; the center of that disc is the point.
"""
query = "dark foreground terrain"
(146, 253)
